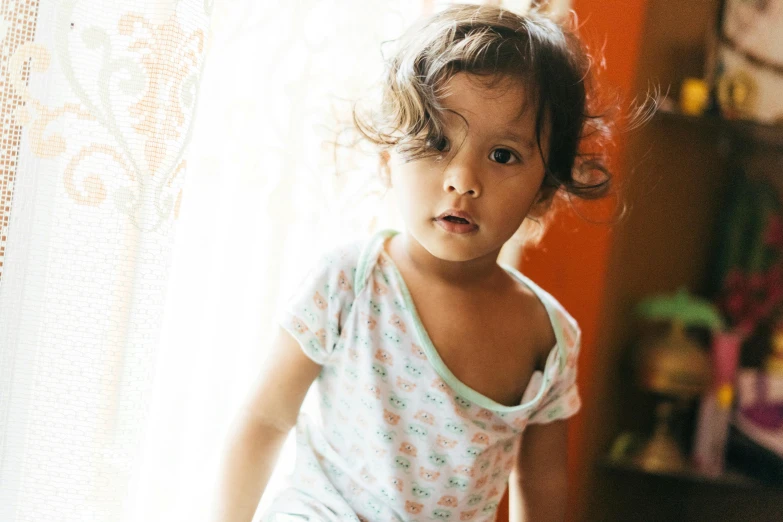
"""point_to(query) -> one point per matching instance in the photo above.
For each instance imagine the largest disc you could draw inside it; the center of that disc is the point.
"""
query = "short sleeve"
(316, 311)
(562, 399)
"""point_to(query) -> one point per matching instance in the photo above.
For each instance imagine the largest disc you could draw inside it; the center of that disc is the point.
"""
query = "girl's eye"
(503, 156)
(439, 144)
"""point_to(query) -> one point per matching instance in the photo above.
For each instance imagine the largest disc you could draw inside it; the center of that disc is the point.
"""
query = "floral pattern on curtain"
(17, 28)
(107, 94)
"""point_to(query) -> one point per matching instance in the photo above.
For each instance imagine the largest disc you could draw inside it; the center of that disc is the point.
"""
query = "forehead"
(501, 106)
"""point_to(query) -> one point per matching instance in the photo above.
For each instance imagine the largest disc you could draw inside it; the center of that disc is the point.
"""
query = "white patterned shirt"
(398, 437)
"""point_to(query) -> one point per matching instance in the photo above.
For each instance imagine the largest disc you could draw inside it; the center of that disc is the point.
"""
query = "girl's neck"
(406, 251)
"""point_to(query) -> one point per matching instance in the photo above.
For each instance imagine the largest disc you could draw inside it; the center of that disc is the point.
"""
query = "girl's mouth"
(456, 216)
(456, 222)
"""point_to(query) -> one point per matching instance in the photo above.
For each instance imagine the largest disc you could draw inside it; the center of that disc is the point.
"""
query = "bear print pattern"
(402, 443)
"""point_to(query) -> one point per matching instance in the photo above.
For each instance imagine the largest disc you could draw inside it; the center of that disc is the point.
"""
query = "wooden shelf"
(728, 479)
(746, 130)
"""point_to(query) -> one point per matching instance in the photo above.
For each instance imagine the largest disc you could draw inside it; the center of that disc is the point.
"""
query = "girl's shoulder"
(343, 255)
(568, 333)
(563, 318)
(557, 311)
(351, 260)
(356, 258)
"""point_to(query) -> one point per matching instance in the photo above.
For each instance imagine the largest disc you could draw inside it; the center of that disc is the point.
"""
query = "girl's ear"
(384, 170)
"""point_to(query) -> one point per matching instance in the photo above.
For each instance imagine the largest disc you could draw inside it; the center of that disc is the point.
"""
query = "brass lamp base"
(661, 453)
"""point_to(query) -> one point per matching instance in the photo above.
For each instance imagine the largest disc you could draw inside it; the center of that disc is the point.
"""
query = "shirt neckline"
(434, 358)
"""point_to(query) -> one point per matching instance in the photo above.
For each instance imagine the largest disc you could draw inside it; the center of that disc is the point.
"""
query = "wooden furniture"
(677, 172)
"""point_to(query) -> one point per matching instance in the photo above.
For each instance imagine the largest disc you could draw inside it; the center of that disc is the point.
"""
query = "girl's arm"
(538, 482)
(260, 428)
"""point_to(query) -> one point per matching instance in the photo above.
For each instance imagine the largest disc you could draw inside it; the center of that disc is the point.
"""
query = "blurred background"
(170, 167)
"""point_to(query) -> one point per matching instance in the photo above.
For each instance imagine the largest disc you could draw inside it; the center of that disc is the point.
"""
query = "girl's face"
(490, 169)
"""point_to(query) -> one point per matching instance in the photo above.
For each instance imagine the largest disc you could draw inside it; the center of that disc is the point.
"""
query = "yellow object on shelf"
(694, 96)
(774, 363)
(737, 95)
(725, 396)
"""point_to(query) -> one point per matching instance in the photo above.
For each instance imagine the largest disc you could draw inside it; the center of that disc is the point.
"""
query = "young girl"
(443, 376)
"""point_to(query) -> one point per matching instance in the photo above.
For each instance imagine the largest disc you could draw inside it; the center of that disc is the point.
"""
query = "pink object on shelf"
(712, 428)
(725, 355)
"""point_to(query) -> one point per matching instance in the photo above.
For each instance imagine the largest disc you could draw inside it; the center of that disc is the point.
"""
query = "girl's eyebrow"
(505, 133)
(508, 134)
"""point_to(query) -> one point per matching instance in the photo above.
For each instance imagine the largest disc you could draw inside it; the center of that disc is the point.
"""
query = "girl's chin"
(462, 249)
(455, 250)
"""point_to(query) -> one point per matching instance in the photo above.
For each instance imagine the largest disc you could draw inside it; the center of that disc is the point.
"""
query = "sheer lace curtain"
(166, 179)
(97, 110)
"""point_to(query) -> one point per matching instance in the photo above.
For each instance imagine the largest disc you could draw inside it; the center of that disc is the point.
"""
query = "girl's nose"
(462, 180)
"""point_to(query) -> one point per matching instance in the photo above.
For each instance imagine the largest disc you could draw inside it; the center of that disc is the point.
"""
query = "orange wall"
(571, 261)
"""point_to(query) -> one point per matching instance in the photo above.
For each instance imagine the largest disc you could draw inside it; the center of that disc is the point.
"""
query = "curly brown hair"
(496, 44)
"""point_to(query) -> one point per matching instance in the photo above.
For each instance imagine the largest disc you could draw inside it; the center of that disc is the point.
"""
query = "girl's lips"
(456, 228)
(453, 212)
